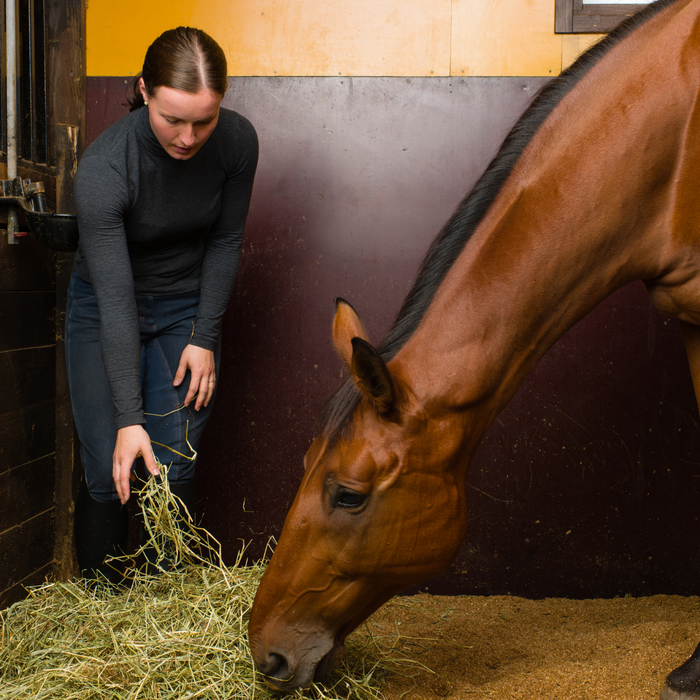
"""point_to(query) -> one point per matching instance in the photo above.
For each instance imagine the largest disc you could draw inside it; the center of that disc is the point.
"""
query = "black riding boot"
(100, 532)
(185, 492)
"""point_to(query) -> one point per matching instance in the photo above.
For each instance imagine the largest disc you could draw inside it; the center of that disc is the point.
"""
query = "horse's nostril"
(276, 667)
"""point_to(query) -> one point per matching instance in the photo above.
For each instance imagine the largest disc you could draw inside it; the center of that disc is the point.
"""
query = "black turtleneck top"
(151, 224)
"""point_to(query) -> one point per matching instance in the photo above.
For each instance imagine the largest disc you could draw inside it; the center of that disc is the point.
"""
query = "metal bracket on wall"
(12, 192)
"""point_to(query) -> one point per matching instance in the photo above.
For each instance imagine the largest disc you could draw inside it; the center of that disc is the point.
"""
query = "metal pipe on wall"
(11, 75)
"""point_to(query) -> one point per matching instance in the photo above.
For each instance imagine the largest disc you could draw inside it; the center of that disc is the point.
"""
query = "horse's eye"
(349, 499)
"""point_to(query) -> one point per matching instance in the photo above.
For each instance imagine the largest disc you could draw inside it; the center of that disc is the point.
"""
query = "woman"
(162, 198)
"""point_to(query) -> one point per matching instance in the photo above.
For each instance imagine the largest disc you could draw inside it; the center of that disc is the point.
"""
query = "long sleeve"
(225, 241)
(102, 199)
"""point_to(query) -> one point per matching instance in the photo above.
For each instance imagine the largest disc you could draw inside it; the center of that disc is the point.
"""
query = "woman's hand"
(201, 365)
(132, 442)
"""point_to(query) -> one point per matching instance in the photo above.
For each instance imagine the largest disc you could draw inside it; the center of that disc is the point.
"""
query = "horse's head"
(380, 507)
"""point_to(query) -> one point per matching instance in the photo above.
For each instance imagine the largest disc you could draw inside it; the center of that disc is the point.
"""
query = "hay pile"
(180, 634)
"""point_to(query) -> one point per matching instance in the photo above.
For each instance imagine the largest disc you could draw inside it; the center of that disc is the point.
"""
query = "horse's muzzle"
(289, 671)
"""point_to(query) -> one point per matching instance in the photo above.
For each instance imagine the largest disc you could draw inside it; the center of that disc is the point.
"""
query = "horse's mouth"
(326, 666)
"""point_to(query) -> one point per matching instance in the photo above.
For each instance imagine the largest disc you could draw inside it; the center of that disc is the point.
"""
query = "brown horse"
(594, 187)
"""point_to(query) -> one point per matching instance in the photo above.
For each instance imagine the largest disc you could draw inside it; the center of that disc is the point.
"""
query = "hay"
(180, 634)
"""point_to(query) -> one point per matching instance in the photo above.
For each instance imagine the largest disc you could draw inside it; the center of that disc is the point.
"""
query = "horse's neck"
(585, 211)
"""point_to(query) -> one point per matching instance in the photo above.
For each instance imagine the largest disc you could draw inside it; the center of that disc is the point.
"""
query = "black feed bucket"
(56, 231)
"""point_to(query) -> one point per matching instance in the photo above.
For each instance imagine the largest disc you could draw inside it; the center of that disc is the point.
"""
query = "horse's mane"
(335, 416)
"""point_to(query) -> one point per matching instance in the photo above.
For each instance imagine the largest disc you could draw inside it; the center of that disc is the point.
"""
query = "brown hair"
(185, 59)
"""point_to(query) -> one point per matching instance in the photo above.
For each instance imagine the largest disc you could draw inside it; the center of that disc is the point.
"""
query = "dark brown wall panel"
(27, 319)
(26, 491)
(18, 591)
(588, 482)
(24, 550)
(27, 266)
(26, 377)
(26, 434)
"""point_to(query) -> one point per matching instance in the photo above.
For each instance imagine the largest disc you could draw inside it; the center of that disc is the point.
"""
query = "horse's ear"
(372, 375)
(346, 326)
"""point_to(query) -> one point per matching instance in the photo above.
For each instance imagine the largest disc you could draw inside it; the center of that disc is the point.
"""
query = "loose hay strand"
(172, 532)
(180, 634)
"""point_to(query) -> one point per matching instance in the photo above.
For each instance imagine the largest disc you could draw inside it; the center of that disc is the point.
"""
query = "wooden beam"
(67, 462)
(65, 22)
(574, 17)
(66, 19)
(598, 23)
(563, 16)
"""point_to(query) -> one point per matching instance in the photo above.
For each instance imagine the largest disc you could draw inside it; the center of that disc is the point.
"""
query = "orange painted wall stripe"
(343, 37)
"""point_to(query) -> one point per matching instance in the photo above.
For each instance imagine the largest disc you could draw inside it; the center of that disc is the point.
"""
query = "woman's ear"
(142, 88)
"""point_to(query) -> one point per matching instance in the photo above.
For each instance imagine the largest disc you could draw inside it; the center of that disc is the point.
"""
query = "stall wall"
(36, 428)
(373, 121)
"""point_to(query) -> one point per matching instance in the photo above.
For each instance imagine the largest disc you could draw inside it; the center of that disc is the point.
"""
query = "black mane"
(335, 415)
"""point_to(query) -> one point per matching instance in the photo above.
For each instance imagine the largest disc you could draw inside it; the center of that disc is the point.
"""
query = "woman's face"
(182, 121)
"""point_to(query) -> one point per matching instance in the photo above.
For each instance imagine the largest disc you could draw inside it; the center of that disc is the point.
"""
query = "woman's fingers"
(211, 385)
(181, 371)
(132, 442)
(206, 390)
(120, 474)
(200, 363)
(150, 461)
(193, 390)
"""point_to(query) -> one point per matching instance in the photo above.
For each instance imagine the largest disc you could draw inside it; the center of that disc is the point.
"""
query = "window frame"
(573, 17)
